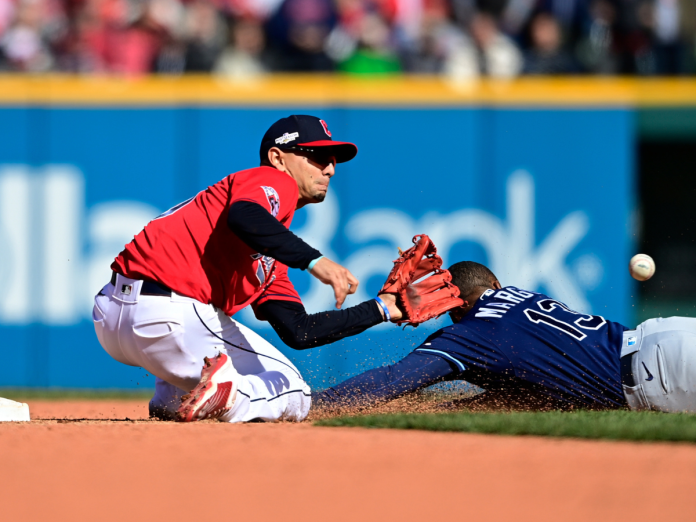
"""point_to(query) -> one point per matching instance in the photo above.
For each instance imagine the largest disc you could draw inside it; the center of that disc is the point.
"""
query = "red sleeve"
(274, 190)
(280, 289)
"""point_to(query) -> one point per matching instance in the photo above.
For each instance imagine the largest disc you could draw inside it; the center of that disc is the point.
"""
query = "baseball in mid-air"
(642, 267)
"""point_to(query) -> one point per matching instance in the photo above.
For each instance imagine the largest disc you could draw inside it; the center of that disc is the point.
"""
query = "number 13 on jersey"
(555, 314)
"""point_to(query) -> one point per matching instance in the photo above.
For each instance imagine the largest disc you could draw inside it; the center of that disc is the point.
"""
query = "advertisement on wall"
(544, 197)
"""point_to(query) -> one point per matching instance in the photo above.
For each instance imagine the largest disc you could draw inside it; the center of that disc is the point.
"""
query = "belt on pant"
(627, 370)
(148, 287)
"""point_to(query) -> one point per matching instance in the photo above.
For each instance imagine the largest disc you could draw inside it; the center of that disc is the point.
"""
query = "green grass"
(613, 425)
(61, 394)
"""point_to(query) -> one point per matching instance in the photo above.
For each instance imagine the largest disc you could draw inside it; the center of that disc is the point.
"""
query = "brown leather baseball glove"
(422, 287)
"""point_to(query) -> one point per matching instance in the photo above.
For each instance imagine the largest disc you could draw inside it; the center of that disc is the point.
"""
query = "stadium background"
(550, 139)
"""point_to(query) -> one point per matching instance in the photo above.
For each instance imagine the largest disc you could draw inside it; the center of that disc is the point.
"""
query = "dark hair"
(468, 276)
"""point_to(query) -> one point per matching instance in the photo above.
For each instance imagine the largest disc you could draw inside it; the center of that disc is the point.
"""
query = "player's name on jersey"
(510, 297)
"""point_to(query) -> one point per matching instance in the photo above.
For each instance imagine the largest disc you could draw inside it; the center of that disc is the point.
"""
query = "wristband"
(313, 262)
(387, 316)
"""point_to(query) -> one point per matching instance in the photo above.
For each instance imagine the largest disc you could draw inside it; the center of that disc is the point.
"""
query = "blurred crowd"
(241, 38)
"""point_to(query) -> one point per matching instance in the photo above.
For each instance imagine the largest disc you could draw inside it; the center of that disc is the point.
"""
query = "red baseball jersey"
(191, 249)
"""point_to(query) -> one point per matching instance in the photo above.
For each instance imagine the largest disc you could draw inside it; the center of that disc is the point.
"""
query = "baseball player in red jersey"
(174, 288)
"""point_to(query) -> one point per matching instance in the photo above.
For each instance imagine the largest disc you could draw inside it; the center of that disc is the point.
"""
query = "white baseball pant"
(663, 365)
(170, 336)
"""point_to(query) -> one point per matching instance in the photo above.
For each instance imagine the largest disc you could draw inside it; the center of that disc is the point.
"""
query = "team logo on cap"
(326, 128)
(287, 137)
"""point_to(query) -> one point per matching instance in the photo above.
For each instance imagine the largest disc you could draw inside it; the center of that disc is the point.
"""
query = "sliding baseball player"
(529, 350)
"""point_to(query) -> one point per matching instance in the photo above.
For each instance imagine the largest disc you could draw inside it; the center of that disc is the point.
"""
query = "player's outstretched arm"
(417, 370)
(338, 277)
(300, 330)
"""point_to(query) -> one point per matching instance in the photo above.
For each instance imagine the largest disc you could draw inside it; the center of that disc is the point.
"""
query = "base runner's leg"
(665, 365)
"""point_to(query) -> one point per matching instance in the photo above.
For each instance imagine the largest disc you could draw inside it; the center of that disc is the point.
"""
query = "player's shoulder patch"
(273, 199)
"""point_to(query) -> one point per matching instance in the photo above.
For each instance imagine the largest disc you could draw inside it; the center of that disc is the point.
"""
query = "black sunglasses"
(320, 156)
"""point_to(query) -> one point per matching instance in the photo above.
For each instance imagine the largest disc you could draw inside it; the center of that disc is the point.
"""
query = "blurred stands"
(463, 39)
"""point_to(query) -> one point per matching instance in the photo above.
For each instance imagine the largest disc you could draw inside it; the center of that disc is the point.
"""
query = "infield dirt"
(104, 461)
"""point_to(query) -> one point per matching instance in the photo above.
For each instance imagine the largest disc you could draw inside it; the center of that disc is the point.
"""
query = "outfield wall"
(534, 178)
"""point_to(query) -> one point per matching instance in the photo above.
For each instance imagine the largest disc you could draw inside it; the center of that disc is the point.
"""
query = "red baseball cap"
(305, 132)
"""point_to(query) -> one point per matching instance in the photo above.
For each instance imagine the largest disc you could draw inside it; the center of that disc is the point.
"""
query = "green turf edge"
(61, 394)
(612, 425)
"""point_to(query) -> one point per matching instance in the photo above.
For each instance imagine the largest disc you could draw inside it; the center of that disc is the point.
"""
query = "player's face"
(312, 170)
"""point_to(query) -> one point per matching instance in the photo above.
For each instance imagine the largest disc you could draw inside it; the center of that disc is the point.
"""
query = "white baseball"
(642, 267)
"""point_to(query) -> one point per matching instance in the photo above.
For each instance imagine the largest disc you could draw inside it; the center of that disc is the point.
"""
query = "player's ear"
(497, 285)
(275, 158)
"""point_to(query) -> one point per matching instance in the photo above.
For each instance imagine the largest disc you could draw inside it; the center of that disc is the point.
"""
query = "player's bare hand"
(340, 278)
(390, 301)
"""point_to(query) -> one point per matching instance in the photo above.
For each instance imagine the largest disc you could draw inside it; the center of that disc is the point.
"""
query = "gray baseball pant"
(663, 363)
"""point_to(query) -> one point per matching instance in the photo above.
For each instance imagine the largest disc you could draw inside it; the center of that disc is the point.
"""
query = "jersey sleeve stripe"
(443, 354)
